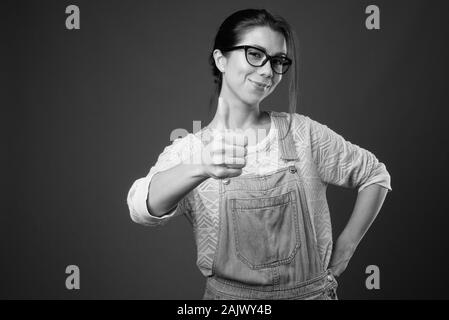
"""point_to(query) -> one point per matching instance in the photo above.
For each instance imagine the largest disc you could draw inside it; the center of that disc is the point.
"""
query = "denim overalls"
(266, 245)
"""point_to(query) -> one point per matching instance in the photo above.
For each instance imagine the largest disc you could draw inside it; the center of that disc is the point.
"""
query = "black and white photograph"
(225, 150)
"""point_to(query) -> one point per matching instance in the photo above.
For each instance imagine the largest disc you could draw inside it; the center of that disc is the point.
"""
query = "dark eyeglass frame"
(267, 57)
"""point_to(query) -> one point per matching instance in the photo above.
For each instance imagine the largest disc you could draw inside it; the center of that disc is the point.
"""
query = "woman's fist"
(225, 155)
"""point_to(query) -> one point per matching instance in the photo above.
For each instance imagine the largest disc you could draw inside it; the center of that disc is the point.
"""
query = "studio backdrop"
(95, 89)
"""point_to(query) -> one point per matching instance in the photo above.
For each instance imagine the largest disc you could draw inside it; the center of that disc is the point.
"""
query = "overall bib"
(266, 245)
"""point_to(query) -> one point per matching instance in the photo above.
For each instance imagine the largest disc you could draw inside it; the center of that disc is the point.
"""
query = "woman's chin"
(254, 98)
(257, 100)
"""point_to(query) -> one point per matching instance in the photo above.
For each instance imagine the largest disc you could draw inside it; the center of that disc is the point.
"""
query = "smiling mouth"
(259, 85)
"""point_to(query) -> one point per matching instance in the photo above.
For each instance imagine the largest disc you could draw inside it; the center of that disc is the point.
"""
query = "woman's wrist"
(341, 254)
(344, 249)
(199, 171)
(346, 243)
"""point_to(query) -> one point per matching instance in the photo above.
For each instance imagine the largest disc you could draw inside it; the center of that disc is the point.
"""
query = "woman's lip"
(259, 83)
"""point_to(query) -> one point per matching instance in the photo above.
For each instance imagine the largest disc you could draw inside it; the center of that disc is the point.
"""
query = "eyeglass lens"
(257, 57)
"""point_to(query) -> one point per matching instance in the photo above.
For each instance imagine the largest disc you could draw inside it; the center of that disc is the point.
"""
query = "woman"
(257, 204)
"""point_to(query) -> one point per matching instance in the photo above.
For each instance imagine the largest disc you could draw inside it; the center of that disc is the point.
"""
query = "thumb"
(223, 113)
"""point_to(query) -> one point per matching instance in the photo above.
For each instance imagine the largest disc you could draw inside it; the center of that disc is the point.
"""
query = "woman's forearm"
(368, 204)
(168, 187)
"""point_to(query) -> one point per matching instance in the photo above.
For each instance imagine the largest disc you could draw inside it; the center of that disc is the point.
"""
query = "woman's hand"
(368, 204)
(341, 255)
(225, 155)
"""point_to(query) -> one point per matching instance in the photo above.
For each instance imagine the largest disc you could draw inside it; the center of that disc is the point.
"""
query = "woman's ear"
(220, 60)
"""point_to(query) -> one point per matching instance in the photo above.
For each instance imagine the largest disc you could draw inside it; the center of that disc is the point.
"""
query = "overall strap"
(286, 143)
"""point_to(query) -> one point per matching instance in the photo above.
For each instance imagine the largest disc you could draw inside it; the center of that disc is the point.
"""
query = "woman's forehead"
(272, 41)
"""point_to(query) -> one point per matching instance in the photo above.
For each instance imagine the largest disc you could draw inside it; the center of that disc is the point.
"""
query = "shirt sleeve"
(343, 163)
(138, 193)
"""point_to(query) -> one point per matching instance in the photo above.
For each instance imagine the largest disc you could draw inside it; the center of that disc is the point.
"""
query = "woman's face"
(239, 76)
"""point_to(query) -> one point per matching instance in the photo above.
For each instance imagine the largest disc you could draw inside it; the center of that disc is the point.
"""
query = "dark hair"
(231, 32)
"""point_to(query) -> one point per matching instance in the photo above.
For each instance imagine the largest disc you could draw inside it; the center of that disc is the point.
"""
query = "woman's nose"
(266, 69)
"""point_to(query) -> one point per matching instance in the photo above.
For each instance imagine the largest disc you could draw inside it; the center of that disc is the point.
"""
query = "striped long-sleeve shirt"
(325, 158)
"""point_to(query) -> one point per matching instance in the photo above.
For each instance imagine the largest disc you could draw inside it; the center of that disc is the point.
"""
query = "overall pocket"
(266, 230)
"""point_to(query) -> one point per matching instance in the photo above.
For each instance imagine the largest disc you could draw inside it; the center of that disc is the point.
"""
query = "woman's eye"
(255, 54)
(281, 62)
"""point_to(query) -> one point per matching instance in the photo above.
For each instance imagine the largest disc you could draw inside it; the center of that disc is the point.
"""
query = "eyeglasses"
(258, 57)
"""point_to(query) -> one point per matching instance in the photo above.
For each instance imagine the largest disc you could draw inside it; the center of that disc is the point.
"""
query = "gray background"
(88, 111)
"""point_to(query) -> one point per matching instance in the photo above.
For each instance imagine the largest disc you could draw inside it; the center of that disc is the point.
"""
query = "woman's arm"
(168, 187)
(170, 160)
(342, 163)
(181, 167)
(220, 159)
(368, 204)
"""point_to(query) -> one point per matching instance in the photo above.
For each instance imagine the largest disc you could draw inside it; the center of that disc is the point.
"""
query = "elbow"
(379, 175)
(139, 210)
(382, 176)
(139, 219)
(136, 201)
(143, 218)
(135, 216)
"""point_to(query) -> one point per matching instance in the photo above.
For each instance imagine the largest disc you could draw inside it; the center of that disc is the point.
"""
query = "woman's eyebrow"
(260, 47)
